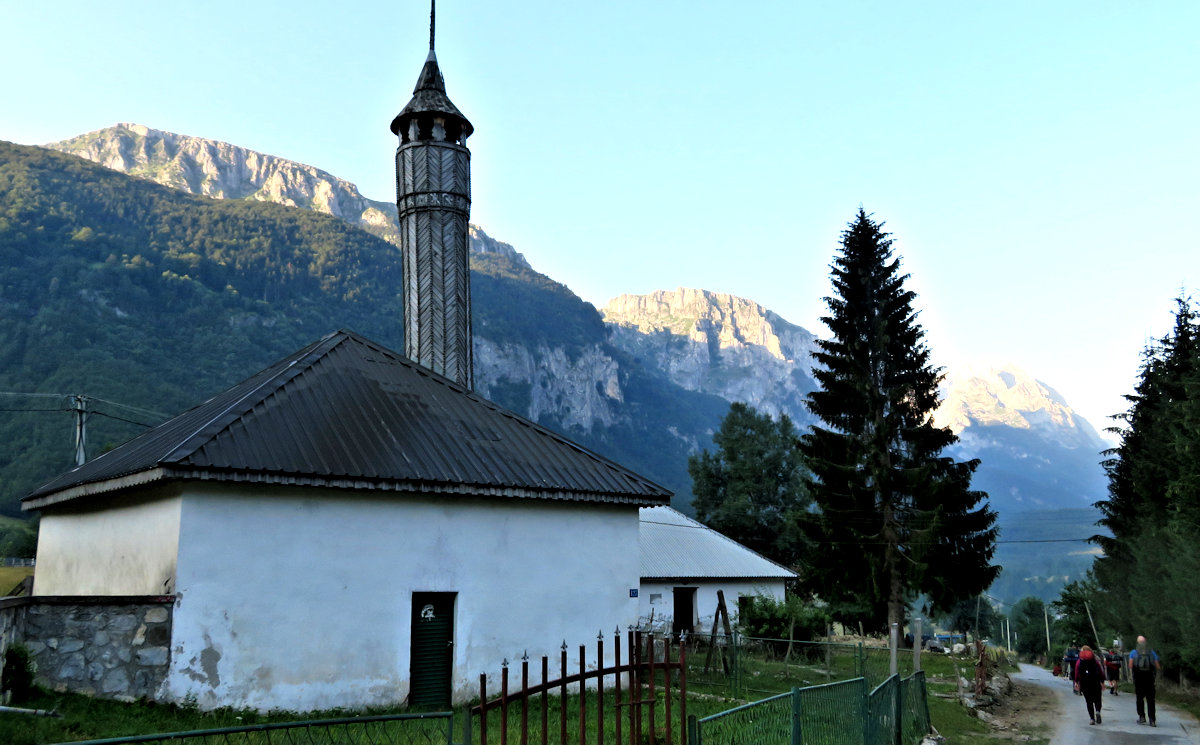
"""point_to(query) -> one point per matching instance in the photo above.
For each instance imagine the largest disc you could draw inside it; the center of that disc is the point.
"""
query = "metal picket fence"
(843, 713)
(394, 729)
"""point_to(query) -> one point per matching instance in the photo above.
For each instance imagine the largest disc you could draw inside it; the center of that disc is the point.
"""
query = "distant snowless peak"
(983, 395)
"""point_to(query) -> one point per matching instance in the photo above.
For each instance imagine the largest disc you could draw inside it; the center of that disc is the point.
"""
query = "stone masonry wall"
(110, 647)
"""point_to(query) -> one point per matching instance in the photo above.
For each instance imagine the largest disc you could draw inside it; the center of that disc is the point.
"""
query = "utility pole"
(1046, 617)
(79, 406)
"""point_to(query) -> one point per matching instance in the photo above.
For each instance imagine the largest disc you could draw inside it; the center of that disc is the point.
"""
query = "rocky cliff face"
(1010, 397)
(224, 171)
(544, 383)
(718, 344)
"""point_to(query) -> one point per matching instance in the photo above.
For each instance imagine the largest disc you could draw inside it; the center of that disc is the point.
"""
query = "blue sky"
(1037, 162)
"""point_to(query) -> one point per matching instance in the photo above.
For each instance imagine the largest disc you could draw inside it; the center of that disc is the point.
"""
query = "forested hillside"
(133, 293)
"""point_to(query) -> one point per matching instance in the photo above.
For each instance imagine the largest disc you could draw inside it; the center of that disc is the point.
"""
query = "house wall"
(663, 606)
(118, 546)
(302, 599)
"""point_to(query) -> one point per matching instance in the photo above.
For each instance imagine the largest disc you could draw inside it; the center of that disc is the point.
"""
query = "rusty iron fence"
(619, 703)
(393, 729)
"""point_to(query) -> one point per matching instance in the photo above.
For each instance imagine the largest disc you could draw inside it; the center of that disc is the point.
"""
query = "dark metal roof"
(348, 413)
(429, 96)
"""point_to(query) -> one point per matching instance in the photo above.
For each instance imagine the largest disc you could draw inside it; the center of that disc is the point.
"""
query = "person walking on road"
(1112, 666)
(1089, 681)
(1144, 665)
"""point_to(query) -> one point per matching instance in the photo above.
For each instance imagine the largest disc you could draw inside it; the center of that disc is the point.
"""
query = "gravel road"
(1120, 725)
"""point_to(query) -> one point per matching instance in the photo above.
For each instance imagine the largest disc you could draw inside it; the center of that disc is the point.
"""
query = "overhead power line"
(79, 404)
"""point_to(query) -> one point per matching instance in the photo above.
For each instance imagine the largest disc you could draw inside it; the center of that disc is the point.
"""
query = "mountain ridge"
(709, 343)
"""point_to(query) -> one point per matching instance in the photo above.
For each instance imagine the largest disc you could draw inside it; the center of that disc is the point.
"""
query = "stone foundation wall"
(110, 647)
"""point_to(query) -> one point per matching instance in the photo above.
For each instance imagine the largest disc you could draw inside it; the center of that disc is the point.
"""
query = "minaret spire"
(432, 11)
(433, 201)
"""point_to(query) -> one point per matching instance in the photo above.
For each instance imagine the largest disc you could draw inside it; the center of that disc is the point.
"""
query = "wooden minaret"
(433, 196)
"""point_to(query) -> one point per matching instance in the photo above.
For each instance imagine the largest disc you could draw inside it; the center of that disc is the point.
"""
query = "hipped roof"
(674, 546)
(345, 412)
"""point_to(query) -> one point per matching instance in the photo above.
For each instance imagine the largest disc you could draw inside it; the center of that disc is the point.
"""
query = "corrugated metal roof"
(674, 546)
(348, 413)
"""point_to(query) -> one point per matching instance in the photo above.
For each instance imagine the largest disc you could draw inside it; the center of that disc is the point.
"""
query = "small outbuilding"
(685, 563)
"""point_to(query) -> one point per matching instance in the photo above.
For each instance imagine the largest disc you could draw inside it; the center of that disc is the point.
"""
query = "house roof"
(674, 546)
(348, 413)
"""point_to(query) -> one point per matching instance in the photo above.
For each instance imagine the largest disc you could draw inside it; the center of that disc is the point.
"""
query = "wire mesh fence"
(833, 714)
(766, 722)
(745, 666)
(396, 729)
(842, 713)
(883, 717)
(915, 707)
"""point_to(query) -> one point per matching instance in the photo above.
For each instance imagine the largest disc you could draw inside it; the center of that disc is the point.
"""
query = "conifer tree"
(897, 517)
(751, 488)
(1153, 505)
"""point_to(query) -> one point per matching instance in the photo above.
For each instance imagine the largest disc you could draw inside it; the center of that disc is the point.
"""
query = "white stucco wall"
(118, 546)
(301, 599)
(658, 597)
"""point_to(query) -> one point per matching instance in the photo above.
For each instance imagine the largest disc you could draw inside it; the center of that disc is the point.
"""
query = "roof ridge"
(291, 368)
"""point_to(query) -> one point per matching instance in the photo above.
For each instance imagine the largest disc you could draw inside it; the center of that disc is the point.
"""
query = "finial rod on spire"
(432, 11)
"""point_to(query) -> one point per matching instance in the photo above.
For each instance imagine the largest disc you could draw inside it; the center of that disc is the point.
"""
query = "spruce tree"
(1153, 505)
(897, 517)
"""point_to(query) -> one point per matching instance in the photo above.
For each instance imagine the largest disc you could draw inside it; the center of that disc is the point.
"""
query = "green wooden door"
(432, 655)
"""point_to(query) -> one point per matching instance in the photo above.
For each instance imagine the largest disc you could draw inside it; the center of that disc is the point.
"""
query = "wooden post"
(723, 613)
(1046, 618)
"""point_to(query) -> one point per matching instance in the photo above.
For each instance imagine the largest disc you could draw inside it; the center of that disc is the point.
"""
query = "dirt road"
(1120, 725)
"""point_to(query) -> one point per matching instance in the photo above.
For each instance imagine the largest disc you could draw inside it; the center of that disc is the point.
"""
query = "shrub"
(767, 618)
(17, 675)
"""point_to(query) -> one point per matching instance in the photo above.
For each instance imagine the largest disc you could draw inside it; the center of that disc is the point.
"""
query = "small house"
(685, 563)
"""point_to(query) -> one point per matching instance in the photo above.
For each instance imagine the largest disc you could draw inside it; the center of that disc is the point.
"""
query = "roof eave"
(92, 488)
(350, 483)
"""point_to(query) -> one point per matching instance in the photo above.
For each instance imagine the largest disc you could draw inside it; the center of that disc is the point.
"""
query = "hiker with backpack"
(1089, 681)
(1112, 666)
(1144, 665)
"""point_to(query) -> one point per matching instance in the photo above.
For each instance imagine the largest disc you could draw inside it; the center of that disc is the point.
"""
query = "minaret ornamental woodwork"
(433, 199)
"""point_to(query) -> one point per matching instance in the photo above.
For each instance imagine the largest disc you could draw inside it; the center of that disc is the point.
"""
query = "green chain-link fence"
(747, 667)
(397, 729)
(844, 713)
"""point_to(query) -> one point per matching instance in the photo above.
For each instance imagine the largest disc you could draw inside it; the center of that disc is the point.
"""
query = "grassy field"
(10, 576)
(85, 718)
